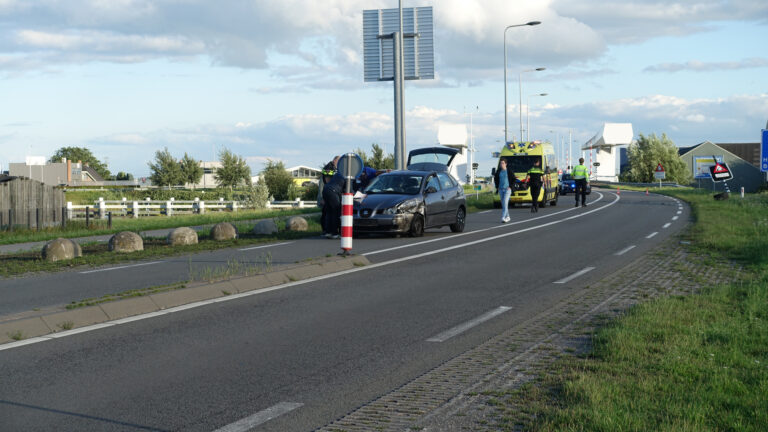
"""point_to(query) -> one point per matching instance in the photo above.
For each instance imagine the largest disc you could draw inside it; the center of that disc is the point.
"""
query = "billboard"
(418, 46)
(701, 166)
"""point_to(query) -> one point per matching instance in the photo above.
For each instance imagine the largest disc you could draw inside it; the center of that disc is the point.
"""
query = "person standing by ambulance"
(535, 179)
(504, 180)
(581, 176)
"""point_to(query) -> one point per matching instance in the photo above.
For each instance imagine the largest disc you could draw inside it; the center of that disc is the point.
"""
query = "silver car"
(410, 201)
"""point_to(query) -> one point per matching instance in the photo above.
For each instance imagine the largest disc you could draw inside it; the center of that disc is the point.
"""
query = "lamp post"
(520, 90)
(530, 23)
(528, 114)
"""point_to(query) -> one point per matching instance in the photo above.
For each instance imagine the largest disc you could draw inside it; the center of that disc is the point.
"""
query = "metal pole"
(520, 107)
(398, 103)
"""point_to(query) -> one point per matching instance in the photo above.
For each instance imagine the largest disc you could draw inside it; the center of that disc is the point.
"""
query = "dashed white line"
(666, 225)
(484, 212)
(679, 212)
(121, 267)
(444, 336)
(260, 417)
(675, 217)
(625, 250)
(265, 246)
(575, 275)
(651, 235)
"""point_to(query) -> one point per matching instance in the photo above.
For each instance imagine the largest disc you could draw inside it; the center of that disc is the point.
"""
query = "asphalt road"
(300, 357)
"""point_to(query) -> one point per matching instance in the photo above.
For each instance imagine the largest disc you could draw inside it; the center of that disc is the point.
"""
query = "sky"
(282, 80)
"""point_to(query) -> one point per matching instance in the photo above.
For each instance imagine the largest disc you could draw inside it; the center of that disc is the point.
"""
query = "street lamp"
(528, 114)
(530, 23)
(520, 89)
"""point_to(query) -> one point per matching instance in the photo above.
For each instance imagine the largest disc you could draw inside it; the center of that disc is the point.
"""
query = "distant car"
(568, 184)
(410, 201)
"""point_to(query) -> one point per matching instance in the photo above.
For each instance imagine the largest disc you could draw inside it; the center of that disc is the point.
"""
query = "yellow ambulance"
(520, 157)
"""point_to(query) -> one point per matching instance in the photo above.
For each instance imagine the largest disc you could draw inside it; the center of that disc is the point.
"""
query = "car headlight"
(409, 206)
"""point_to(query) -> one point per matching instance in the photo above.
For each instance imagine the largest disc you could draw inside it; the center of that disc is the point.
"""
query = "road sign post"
(660, 174)
(350, 165)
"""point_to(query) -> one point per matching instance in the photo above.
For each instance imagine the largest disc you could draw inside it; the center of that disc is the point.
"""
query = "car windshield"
(520, 164)
(566, 177)
(408, 184)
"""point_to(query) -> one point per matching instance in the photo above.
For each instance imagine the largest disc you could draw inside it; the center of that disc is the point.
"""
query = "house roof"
(750, 152)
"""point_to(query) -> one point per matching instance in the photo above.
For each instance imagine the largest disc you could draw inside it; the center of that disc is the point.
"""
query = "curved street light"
(528, 114)
(530, 23)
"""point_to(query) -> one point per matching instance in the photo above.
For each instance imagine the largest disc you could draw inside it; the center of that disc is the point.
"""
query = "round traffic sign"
(350, 165)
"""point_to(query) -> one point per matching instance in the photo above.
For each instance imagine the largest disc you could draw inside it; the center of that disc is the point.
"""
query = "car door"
(434, 201)
(454, 196)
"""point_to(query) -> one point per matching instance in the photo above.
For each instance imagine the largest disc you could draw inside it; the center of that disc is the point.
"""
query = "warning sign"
(720, 172)
(659, 174)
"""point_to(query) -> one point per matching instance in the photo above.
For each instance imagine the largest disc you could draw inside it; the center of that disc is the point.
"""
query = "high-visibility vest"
(580, 172)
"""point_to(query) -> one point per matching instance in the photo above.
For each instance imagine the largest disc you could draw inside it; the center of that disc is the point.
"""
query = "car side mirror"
(430, 190)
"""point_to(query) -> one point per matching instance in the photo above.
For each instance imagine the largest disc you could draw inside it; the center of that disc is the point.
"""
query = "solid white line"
(575, 275)
(453, 236)
(260, 417)
(265, 246)
(675, 217)
(121, 267)
(295, 283)
(651, 235)
(666, 225)
(625, 250)
(484, 212)
(461, 328)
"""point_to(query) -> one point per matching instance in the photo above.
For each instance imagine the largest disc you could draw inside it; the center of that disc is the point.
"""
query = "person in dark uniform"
(535, 179)
(328, 171)
(332, 200)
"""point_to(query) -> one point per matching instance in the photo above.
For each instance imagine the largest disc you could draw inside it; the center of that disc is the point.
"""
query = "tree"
(277, 179)
(191, 171)
(124, 176)
(233, 170)
(82, 154)
(646, 153)
(166, 170)
(377, 160)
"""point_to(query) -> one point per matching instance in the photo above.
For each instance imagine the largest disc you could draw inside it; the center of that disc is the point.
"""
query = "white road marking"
(121, 267)
(675, 217)
(484, 212)
(666, 225)
(651, 235)
(575, 275)
(260, 417)
(461, 328)
(265, 246)
(453, 236)
(679, 212)
(625, 250)
(168, 311)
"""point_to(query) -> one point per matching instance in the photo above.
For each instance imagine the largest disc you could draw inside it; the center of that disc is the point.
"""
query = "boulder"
(126, 242)
(182, 236)
(265, 227)
(223, 231)
(296, 223)
(61, 249)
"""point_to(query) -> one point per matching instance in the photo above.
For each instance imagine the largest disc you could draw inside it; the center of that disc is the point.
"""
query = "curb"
(60, 320)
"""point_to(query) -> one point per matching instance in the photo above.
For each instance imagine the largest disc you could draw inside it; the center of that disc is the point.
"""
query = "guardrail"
(102, 208)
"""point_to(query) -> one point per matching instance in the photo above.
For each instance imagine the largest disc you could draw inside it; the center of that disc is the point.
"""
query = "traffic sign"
(720, 172)
(659, 174)
(351, 161)
(659, 168)
(764, 152)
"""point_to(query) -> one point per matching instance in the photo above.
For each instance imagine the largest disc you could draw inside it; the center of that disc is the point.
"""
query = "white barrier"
(171, 207)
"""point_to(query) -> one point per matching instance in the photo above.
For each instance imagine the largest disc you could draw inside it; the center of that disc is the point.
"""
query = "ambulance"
(520, 157)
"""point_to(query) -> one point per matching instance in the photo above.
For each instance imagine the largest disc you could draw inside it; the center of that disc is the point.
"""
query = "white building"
(608, 145)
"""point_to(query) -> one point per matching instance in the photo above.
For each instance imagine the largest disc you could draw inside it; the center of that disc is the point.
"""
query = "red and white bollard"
(646, 191)
(618, 191)
(346, 222)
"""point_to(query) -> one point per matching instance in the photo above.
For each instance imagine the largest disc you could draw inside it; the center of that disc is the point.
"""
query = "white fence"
(171, 207)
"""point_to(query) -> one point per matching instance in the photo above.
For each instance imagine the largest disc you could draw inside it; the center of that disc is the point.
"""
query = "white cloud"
(699, 66)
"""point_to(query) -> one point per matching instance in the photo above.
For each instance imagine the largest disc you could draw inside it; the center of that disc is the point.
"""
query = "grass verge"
(693, 363)
(99, 226)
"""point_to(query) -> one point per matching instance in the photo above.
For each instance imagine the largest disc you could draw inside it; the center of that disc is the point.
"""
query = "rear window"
(440, 158)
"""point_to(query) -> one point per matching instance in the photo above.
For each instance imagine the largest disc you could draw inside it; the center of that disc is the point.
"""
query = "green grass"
(97, 254)
(693, 363)
(99, 226)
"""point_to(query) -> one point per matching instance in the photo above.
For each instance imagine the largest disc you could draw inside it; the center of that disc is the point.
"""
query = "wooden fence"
(29, 203)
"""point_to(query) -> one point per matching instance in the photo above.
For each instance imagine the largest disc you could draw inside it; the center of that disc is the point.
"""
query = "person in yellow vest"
(535, 179)
(581, 176)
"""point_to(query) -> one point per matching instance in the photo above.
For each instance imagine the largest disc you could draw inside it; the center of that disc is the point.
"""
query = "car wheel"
(543, 202)
(461, 216)
(417, 226)
(554, 201)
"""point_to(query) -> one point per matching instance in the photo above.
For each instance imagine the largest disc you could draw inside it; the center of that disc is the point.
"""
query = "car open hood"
(431, 158)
